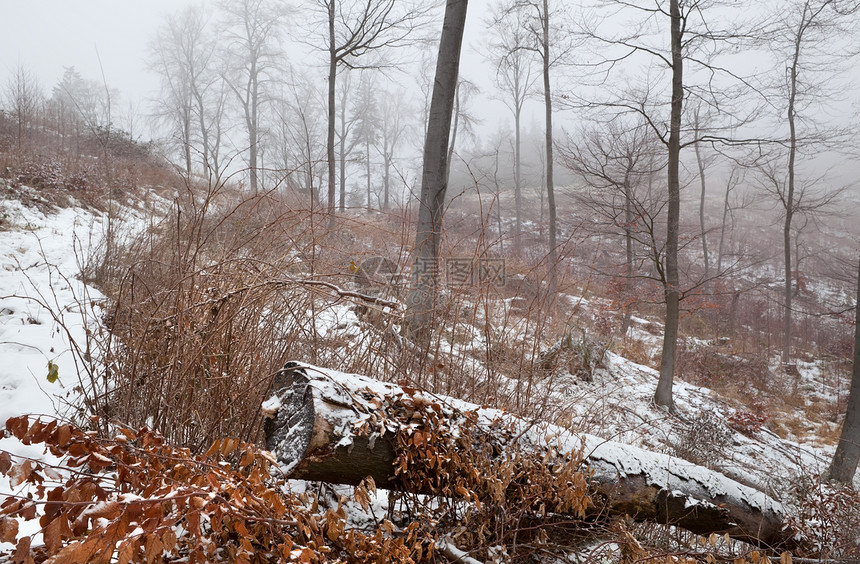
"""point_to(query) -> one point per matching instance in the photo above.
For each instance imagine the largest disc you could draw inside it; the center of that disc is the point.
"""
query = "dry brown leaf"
(8, 529)
(127, 550)
(19, 473)
(5, 462)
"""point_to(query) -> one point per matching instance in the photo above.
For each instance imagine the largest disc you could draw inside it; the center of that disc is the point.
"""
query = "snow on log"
(329, 426)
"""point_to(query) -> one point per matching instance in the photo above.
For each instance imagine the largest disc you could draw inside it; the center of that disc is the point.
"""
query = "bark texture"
(847, 454)
(550, 186)
(434, 180)
(313, 413)
(663, 395)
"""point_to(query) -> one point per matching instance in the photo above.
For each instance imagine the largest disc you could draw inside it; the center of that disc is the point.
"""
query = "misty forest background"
(264, 207)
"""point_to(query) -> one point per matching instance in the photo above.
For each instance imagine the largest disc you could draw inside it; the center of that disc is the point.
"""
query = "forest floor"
(46, 310)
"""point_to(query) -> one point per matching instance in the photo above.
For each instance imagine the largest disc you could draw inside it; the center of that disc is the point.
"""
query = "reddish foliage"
(746, 422)
(134, 498)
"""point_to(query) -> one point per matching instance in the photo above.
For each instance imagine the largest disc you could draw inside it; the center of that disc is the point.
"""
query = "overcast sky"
(47, 35)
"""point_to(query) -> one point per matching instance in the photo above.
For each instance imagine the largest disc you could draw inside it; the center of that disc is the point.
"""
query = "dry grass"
(635, 351)
(218, 291)
(210, 300)
(200, 318)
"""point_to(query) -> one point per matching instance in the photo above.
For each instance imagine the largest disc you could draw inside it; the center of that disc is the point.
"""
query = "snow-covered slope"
(618, 405)
(44, 312)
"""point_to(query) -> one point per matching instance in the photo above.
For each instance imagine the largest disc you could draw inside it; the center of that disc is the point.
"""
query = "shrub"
(705, 365)
(826, 518)
(204, 310)
(703, 439)
(134, 498)
(746, 422)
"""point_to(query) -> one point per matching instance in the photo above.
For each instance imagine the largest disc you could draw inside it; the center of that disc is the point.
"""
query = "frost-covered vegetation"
(147, 311)
(166, 331)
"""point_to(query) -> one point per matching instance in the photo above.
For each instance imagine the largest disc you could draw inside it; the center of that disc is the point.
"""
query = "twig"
(349, 293)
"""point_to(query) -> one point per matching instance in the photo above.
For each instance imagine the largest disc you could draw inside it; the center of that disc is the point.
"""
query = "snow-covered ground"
(618, 405)
(44, 312)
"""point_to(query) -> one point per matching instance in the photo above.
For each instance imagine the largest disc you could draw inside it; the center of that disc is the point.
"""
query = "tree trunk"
(204, 134)
(733, 313)
(311, 436)
(386, 177)
(701, 166)
(342, 153)
(252, 115)
(788, 201)
(663, 395)
(367, 170)
(332, 77)
(186, 141)
(550, 188)
(726, 210)
(434, 184)
(518, 191)
(787, 291)
(627, 308)
(847, 454)
(454, 126)
(542, 157)
(497, 185)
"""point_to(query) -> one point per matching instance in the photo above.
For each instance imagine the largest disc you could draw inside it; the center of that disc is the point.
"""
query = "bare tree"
(422, 293)
(515, 78)
(214, 109)
(300, 122)
(497, 190)
(463, 119)
(702, 163)
(180, 57)
(253, 53)
(186, 52)
(802, 40)
(617, 162)
(367, 126)
(345, 124)
(393, 125)
(663, 395)
(548, 43)
(355, 29)
(426, 70)
(799, 198)
(692, 41)
(23, 97)
(731, 203)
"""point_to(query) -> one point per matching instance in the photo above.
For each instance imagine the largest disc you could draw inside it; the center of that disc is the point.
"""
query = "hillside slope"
(46, 311)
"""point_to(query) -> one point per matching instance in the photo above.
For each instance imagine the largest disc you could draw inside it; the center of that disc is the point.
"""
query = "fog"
(110, 42)
(94, 36)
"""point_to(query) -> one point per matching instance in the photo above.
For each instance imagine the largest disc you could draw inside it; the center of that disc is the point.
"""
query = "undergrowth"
(135, 498)
(206, 303)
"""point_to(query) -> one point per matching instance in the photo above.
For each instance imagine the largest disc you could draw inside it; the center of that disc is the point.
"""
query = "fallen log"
(333, 427)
